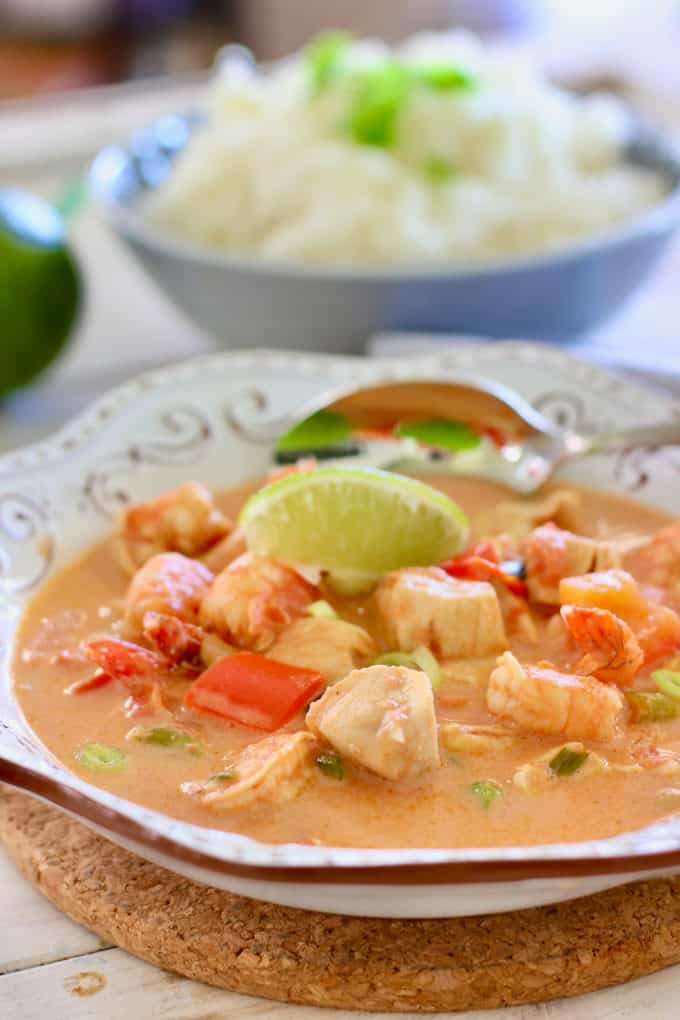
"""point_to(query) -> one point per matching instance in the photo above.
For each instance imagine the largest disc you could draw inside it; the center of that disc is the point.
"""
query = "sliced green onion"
(227, 775)
(438, 169)
(668, 681)
(486, 791)
(380, 93)
(567, 761)
(324, 57)
(440, 432)
(444, 77)
(331, 764)
(350, 583)
(420, 658)
(101, 757)
(322, 610)
(424, 658)
(325, 428)
(651, 706)
(165, 736)
(394, 659)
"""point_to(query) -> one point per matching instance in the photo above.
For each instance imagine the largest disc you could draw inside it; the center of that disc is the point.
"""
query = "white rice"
(273, 173)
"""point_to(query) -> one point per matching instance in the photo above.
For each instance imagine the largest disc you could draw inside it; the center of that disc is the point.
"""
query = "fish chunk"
(466, 673)
(168, 584)
(274, 770)
(456, 619)
(461, 738)
(540, 699)
(253, 599)
(551, 554)
(381, 717)
(657, 561)
(331, 647)
(519, 517)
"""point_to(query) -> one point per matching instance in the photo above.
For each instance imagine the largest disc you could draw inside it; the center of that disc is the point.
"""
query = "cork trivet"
(327, 960)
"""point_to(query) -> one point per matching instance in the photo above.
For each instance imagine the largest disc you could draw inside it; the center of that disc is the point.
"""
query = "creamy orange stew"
(523, 692)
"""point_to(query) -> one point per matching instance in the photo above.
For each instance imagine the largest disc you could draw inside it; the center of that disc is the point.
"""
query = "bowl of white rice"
(353, 188)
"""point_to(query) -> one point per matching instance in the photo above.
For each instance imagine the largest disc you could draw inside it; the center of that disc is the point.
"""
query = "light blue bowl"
(255, 302)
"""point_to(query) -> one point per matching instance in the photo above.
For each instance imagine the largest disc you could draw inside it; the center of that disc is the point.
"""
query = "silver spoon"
(533, 446)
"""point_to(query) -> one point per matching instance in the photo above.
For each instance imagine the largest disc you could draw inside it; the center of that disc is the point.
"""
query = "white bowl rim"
(657, 845)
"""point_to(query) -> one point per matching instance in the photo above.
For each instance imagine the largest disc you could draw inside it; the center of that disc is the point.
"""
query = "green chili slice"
(651, 706)
(567, 761)
(330, 763)
(486, 791)
(101, 757)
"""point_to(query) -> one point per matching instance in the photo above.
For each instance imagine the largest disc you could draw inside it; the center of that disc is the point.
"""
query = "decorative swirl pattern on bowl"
(26, 543)
(108, 486)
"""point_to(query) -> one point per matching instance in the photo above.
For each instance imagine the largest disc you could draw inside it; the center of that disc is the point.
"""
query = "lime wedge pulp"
(353, 521)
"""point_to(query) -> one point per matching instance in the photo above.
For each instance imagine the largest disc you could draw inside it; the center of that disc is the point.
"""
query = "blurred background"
(49, 46)
(78, 74)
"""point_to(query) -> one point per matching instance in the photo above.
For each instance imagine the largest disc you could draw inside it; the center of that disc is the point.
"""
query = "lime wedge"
(353, 521)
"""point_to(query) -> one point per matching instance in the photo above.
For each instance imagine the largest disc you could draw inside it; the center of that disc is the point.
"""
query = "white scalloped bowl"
(58, 497)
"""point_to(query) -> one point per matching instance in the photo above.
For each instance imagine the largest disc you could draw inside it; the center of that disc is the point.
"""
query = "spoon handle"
(620, 439)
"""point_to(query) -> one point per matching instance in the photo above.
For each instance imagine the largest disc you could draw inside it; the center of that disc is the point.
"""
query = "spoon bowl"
(458, 426)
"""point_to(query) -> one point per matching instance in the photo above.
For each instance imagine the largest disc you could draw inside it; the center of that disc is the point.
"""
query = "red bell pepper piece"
(253, 690)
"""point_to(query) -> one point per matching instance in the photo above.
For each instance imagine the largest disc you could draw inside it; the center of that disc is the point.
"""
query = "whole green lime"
(39, 288)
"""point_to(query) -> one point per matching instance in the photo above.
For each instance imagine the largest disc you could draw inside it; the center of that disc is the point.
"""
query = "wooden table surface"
(46, 962)
(43, 956)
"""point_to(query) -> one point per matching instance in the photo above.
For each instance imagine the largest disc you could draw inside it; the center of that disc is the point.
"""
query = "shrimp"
(251, 601)
(150, 677)
(540, 699)
(659, 634)
(125, 660)
(172, 637)
(611, 651)
(657, 561)
(137, 668)
(185, 520)
(225, 551)
(272, 770)
(169, 584)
